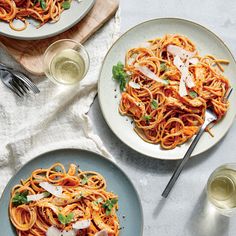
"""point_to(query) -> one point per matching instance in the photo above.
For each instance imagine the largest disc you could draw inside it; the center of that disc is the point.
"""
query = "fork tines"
(20, 87)
(17, 82)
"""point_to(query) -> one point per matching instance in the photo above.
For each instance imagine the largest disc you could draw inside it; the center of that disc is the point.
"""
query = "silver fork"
(21, 76)
(14, 84)
(210, 116)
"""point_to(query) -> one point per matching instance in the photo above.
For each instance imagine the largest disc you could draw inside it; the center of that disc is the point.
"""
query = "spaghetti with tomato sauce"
(167, 88)
(42, 11)
(54, 202)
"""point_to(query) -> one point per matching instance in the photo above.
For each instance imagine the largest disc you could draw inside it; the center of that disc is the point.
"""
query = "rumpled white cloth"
(55, 118)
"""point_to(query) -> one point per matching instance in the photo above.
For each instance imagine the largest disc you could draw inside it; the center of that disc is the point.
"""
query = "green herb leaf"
(154, 104)
(163, 67)
(43, 4)
(62, 218)
(120, 75)
(20, 198)
(114, 201)
(147, 117)
(108, 212)
(84, 180)
(193, 94)
(66, 5)
(69, 217)
(65, 219)
(109, 204)
(122, 84)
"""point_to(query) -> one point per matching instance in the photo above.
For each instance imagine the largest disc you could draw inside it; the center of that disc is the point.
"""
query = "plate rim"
(83, 150)
(123, 35)
(64, 29)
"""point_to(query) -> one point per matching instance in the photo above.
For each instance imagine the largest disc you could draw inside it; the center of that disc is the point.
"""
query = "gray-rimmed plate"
(109, 95)
(68, 19)
(117, 181)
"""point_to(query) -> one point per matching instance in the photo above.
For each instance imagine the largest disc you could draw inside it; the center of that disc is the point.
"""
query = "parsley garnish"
(20, 198)
(163, 66)
(154, 104)
(193, 94)
(109, 204)
(120, 75)
(66, 5)
(42, 3)
(84, 180)
(147, 117)
(65, 219)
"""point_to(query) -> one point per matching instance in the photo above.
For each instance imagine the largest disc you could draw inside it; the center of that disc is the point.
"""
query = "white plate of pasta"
(70, 193)
(38, 19)
(160, 77)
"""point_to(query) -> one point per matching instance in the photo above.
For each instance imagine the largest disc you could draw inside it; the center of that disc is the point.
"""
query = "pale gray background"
(184, 213)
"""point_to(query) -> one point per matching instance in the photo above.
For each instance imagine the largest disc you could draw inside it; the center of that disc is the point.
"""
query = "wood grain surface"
(30, 53)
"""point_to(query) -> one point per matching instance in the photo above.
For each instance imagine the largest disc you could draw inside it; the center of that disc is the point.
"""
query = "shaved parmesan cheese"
(68, 233)
(53, 231)
(82, 224)
(189, 81)
(183, 68)
(178, 51)
(37, 197)
(182, 88)
(54, 190)
(134, 85)
(131, 61)
(193, 61)
(102, 233)
(186, 78)
(145, 71)
(178, 63)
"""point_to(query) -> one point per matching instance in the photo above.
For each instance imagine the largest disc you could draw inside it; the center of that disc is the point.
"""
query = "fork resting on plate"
(210, 116)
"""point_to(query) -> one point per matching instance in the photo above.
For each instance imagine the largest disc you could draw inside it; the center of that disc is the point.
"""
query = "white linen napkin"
(56, 117)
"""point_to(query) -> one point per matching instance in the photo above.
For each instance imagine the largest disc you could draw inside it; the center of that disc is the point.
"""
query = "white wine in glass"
(221, 189)
(66, 62)
(67, 66)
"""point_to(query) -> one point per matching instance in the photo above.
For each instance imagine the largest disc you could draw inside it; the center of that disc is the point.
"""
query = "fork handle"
(180, 167)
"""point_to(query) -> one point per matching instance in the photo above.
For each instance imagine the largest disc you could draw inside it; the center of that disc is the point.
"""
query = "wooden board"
(30, 53)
